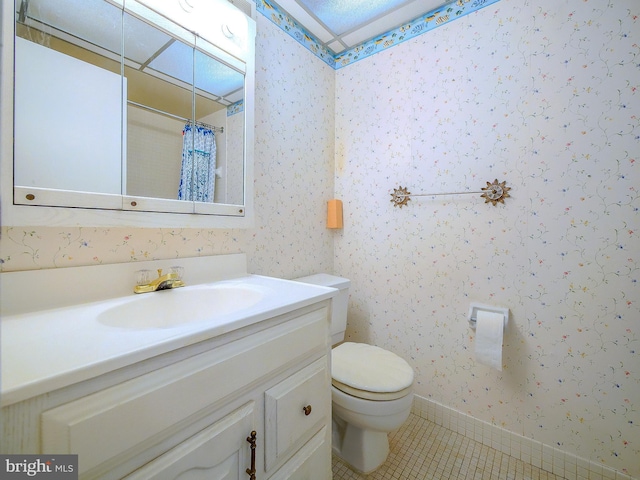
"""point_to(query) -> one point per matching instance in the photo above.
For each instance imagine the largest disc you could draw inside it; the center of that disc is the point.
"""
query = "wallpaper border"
(435, 18)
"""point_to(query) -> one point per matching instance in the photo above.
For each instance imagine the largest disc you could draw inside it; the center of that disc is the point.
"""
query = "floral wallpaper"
(544, 95)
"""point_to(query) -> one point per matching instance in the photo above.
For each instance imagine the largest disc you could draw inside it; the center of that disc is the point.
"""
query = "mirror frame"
(229, 216)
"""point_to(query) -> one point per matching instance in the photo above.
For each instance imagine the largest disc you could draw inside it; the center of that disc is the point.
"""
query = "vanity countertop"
(49, 349)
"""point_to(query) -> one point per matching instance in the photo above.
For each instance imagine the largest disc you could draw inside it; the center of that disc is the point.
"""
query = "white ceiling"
(343, 24)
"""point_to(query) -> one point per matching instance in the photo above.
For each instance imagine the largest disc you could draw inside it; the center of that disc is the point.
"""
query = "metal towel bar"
(495, 192)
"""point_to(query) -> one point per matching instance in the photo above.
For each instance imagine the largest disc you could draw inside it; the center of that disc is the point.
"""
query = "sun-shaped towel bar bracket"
(400, 197)
(495, 192)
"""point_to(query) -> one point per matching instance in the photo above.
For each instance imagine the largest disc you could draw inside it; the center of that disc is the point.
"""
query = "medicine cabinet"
(128, 112)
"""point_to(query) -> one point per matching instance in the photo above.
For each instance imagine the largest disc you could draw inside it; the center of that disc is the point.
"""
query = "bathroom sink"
(181, 306)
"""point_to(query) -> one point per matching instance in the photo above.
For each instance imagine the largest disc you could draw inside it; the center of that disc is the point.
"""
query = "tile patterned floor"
(422, 450)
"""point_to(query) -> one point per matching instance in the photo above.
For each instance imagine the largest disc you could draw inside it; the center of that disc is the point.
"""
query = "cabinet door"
(219, 452)
(295, 409)
(311, 462)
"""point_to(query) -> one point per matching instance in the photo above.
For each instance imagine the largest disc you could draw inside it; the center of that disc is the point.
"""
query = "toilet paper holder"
(474, 308)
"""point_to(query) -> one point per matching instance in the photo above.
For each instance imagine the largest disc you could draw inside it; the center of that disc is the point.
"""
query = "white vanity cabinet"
(189, 413)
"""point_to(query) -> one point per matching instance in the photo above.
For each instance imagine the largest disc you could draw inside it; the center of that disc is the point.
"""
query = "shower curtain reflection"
(198, 173)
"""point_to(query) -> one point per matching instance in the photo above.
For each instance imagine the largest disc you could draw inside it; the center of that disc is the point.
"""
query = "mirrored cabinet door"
(158, 79)
(68, 101)
(218, 132)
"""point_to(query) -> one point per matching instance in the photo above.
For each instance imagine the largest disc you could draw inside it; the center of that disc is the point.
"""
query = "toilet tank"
(339, 302)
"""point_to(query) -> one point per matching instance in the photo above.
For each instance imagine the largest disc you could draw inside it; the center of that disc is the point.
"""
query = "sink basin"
(181, 306)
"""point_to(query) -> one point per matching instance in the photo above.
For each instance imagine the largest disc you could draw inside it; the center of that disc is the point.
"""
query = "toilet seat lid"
(369, 368)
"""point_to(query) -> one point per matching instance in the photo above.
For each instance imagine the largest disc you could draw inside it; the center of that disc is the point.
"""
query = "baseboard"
(546, 457)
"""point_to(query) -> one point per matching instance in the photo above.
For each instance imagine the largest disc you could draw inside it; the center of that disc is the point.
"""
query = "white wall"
(154, 150)
(75, 126)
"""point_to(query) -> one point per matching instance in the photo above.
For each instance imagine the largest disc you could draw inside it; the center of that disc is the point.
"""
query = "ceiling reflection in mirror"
(109, 103)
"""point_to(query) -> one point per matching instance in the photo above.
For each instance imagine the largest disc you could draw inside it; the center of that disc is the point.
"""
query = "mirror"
(118, 107)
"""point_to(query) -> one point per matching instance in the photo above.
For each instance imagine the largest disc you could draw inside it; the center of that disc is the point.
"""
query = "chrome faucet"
(163, 282)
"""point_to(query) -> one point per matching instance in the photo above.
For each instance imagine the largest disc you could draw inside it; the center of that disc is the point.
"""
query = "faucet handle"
(178, 270)
(159, 272)
(143, 277)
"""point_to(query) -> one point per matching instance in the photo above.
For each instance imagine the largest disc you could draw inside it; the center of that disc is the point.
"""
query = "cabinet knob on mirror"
(307, 410)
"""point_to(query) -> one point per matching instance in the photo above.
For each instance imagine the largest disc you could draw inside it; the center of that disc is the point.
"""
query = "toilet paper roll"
(489, 333)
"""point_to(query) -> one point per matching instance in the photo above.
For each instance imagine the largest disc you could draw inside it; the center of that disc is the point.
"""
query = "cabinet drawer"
(106, 427)
(295, 409)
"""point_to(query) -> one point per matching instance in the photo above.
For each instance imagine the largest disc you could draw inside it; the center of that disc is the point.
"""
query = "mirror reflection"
(107, 102)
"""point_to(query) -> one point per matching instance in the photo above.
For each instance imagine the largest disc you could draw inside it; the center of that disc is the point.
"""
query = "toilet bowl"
(371, 396)
(371, 389)
(360, 428)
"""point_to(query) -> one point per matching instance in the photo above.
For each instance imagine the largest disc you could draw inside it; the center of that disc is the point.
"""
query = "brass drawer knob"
(307, 410)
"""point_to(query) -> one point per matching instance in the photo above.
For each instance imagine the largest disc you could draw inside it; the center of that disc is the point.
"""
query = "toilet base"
(364, 450)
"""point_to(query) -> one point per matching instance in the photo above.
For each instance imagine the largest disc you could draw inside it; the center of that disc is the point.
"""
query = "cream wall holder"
(474, 308)
(495, 192)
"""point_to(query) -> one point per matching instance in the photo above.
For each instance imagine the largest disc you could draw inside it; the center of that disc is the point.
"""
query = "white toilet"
(371, 389)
